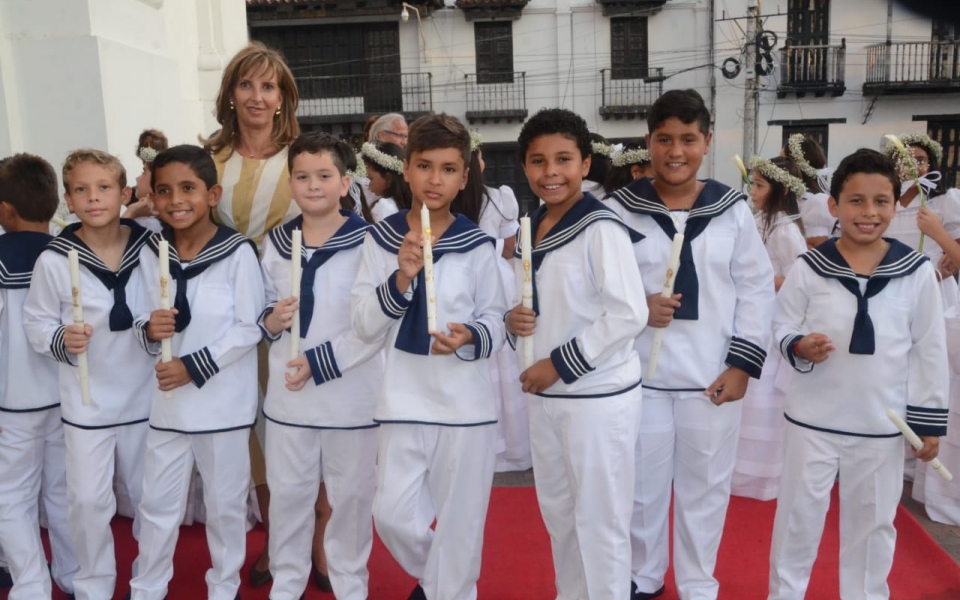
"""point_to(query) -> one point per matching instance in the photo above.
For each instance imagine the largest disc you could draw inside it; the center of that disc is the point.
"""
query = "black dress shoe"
(6, 580)
(322, 581)
(259, 578)
(636, 594)
(417, 594)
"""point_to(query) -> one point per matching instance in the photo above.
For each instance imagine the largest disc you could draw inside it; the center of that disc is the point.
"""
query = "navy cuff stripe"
(786, 349)
(569, 362)
(261, 322)
(58, 346)
(927, 421)
(201, 366)
(482, 346)
(392, 301)
(746, 356)
(323, 364)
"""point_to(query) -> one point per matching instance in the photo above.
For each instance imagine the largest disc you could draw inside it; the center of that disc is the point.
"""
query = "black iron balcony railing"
(904, 67)
(496, 96)
(629, 93)
(816, 69)
(334, 98)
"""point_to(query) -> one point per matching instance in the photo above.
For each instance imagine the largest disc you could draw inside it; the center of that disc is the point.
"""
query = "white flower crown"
(772, 172)
(147, 154)
(601, 148)
(476, 140)
(923, 140)
(796, 153)
(360, 171)
(391, 163)
(635, 156)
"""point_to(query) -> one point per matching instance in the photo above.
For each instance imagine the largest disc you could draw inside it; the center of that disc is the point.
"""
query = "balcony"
(629, 93)
(913, 67)
(262, 11)
(354, 98)
(496, 96)
(812, 69)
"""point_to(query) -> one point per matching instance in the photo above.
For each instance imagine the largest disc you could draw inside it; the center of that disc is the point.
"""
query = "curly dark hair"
(549, 121)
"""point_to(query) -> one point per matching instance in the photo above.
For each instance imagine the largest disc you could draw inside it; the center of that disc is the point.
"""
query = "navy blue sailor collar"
(827, 262)
(19, 251)
(121, 318)
(714, 199)
(585, 212)
(349, 235)
(223, 244)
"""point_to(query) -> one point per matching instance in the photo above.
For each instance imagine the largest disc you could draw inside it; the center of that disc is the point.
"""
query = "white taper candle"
(526, 255)
(917, 443)
(74, 257)
(166, 351)
(296, 270)
(431, 290)
(667, 291)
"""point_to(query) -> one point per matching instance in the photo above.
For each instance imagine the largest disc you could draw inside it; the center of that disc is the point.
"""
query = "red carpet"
(517, 564)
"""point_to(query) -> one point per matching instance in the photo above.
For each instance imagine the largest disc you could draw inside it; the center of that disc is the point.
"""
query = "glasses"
(400, 136)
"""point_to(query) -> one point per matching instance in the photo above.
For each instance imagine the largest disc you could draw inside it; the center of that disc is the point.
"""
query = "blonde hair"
(97, 157)
(255, 58)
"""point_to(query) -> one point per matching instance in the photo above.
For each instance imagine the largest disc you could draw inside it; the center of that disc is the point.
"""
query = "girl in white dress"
(776, 187)
(384, 165)
(811, 161)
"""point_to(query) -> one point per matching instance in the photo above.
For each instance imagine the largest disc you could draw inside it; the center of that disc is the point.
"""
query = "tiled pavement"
(946, 535)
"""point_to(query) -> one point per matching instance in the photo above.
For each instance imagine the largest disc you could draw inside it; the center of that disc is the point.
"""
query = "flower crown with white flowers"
(635, 156)
(795, 150)
(360, 171)
(917, 139)
(476, 140)
(601, 149)
(390, 163)
(147, 154)
(772, 172)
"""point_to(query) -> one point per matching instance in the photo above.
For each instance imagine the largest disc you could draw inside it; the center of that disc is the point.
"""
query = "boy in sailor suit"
(32, 452)
(218, 297)
(319, 415)
(436, 409)
(584, 401)
(108, 433)
(717, 328)
(860, 318)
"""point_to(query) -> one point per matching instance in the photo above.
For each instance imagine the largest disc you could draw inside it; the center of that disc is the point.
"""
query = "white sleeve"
(41, 312)
(791, 313)
(929, 376)
(245, 333)
(270, 262)
(614, 272)
(816, 217)
(752, 276)
(376, 303)
(788, 244)
(950, 212)
(149, 299)
(487, 327)
(510, 209)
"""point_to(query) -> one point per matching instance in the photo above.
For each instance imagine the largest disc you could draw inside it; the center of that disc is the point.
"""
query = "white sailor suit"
(325, 431)
(32, 451)
(437, 414)
(890, 354)
(219, 297)
(686, 443)
(107, 435)
(590, 307)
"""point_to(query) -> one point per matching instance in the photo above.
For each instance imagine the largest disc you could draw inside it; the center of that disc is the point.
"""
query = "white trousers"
(92, 457)
(435, 471)
(223, 461)
(297, 459)
(33, 464)
(689, 442)
(583, 465)
(871, 482)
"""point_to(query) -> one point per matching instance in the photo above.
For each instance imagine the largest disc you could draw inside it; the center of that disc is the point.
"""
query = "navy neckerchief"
(121, 318)
(586, 211)
(19, 251)
(224, 243)
(826, 261)
(462, 236)
(350, 235)
(714, 199)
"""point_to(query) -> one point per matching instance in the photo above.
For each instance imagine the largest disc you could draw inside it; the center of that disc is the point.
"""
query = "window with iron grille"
(628, 48)
(808, 22)
(820, 133)
(494, 44)
(947, 132)
(504, 168)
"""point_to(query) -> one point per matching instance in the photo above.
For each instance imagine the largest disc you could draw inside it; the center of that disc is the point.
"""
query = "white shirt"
(499, 217)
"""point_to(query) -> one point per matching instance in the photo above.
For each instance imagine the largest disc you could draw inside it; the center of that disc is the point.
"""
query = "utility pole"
(750, 98)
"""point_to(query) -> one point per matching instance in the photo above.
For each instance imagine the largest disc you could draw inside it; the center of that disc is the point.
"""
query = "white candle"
(526, 255)
(431, 290)
(667, 292)
(296, 270)
(917, 443)
(74, 259)
(166, 350)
